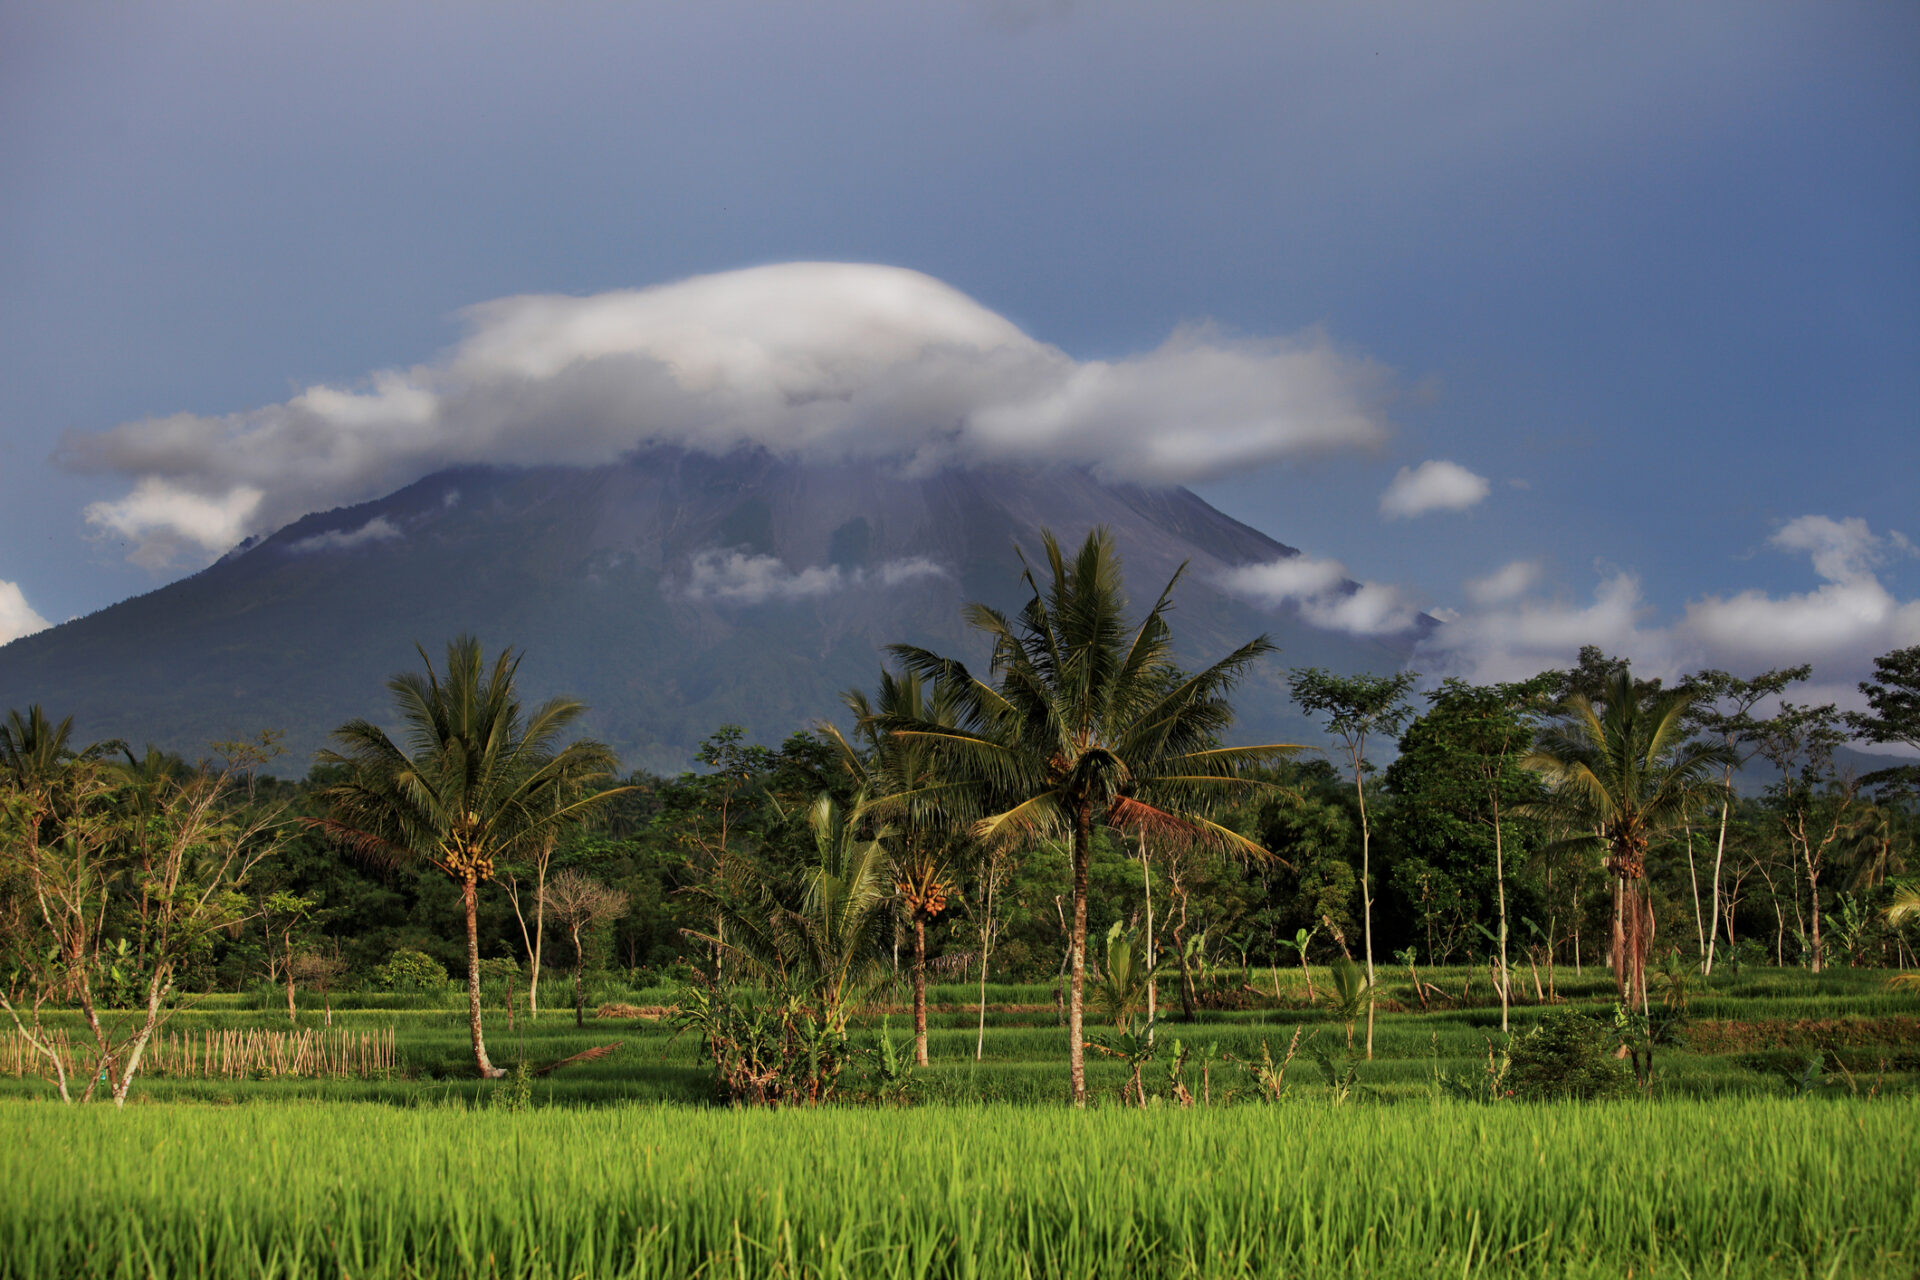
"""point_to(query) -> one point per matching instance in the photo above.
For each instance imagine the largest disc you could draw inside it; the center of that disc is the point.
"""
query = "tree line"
(970, 823)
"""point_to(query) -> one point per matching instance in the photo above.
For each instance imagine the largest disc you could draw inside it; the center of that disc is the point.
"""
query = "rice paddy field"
(1749, 1158)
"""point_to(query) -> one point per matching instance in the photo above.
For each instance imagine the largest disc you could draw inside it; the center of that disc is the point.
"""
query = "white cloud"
(1505, 583)
(163, 519)
(1290, 578)
(378, 529)
(1324, 595)
(736, 577)
(1839, 626)
(823, 359)
(1849, 619)
(1434, 485)
(17, 617)
(1515, 638)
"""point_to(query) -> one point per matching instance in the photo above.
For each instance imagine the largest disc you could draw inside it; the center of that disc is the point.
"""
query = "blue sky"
(1652, 273)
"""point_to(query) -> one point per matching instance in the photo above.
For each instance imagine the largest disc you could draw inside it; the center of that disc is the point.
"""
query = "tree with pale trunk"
(1084, 721)
(1467, 748)
(474, 778)
(284, 915)
(1353, 709)
(1619, 775)
(1812, 799)
(203, 834)
(1723, 709)
(581, 905)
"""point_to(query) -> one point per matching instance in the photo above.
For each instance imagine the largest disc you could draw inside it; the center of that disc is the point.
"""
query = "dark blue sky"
(1651, 271)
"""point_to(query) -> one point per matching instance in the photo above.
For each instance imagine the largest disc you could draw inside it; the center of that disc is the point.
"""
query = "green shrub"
(1569, 1055)
(502, 970)
(408, 970)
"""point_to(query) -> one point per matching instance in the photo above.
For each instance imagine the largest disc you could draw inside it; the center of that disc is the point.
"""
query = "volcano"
(672, 591)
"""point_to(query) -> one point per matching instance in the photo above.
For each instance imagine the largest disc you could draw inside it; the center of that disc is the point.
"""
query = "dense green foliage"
(1567, 1054)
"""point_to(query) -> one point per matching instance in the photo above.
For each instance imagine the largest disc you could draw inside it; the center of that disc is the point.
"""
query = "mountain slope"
(672, 592)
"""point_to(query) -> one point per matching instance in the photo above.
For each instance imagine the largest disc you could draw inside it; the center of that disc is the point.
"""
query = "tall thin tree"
(476, 777)
(1355, 708)
(904, 789)
(1084, 721)
(1619, 776)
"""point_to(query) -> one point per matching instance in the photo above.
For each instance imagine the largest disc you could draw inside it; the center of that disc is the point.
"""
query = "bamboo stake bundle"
(237, 1054)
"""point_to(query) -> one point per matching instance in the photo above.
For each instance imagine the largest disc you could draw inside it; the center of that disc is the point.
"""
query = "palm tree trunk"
(1632, 923)
(1620, 936)
(919, 990)
(1077, 953)
(470, 898)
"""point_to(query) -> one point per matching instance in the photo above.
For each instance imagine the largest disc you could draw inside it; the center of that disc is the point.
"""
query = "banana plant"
(1406, 957)
(1298, 942)
(1121, 991)
(1133, 1046)
(1352, 993)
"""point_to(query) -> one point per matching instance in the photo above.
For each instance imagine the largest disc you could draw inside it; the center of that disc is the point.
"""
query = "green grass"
(623, 1168)
(1738, 1188)
(1025, 1050)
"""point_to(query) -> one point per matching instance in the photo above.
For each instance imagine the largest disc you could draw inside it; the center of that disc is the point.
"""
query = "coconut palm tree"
(901, 778)
(1085, 722)
(476, 779)
(1619, 775)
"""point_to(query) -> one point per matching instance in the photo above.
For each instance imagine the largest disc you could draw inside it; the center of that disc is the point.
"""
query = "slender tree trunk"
(470, 898)
(1693, 876)
(986, 950)
(919, 990)
(157, 987)
(1153, 985)
(293, 1014)
(1813, 888)
(1500, 885)
(1077, 950)
(1719, 855)
(1187, 991)
(539, 940)
(1366, 889)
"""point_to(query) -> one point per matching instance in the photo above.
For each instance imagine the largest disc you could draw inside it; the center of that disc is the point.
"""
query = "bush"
(408, 970)
(500, 969)
(1569, 1055)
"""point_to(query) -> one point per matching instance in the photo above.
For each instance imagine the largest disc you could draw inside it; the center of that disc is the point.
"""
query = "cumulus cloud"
(378, 529)
(1504, 583)
(1324, 595)
(736, 577)
(1434, 485)
(1511, 638)
(1851, 617)
(1839, 626)
(17, 617)
(164, 519)
(822, 359)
